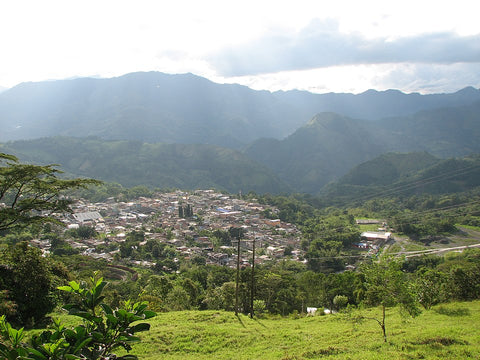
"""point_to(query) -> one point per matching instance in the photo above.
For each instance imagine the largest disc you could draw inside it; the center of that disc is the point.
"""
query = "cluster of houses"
(162, 218)
(159, 218)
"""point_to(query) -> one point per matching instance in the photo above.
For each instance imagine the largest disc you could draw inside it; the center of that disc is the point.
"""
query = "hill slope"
(435, 334)
(405, 174)
(157, 165)
(444, 132)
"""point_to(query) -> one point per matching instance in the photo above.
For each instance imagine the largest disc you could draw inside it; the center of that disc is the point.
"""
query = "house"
(311, 311)
(376, 237)
(368, 221)
(275, 222)
(88, 216)
(371, 235)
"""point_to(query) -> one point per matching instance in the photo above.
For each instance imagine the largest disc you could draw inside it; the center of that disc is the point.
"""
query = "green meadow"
(448, 331)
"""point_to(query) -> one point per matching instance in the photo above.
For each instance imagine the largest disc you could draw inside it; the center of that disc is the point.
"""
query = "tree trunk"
(383, 324)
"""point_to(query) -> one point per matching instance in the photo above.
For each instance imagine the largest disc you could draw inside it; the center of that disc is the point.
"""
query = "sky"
(320, 46)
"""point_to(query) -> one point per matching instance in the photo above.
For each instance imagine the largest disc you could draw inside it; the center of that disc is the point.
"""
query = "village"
(181, 220)
(161, 218)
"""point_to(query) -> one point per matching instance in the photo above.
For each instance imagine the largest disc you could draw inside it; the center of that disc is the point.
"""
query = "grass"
(369, 227)
(470, 227)
(449, 331)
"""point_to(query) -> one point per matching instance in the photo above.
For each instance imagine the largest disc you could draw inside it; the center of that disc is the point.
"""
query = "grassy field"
(449, 331)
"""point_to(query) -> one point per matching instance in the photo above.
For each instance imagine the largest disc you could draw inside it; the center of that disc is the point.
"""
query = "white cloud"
(64, 38)
(321, 44)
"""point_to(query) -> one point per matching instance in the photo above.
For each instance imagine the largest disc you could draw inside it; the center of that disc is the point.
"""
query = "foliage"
(31, 193)
(430, 287)
(30, 280)
(83, 232)
(162, 165)
(386, 285)
(340, 301)
(103, 330)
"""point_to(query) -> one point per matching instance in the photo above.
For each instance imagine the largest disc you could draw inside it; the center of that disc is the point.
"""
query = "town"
(181, 219)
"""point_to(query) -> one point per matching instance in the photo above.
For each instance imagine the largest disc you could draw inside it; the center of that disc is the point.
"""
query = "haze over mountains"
(301, 140)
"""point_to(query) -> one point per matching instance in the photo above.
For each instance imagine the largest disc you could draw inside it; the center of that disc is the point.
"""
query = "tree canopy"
(32, 193)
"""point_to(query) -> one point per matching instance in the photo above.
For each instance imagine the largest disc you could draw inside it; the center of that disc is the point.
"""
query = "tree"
(86, 232)
(30, 282)
(386, 285)
(32, 193)
(430, 287)
(340, 301)
(324, 256)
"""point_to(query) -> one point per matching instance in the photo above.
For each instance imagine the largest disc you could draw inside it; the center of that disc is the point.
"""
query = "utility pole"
(238, 275)
(252, 293)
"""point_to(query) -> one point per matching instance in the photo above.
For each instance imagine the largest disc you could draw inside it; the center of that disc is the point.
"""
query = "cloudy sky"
(321, 45)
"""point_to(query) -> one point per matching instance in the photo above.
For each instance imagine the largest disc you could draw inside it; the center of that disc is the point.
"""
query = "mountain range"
(189, 128)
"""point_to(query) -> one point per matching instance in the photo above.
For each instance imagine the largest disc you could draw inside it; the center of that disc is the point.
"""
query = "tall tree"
(32, 193)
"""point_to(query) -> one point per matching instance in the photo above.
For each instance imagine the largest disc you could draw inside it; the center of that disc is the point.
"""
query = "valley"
(208, 203)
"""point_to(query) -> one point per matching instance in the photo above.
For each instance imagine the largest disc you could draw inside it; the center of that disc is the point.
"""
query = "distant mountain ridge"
(157, 107)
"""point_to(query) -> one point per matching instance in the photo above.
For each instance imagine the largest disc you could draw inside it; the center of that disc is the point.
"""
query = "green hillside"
(444, 332)
(406, 174)
(388, 168)
(131, 163)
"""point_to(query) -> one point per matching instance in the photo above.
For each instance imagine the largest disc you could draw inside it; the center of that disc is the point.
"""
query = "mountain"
(289, 133)
(330, 145)
(444, 132)
(396, 174)
(319, 152)
(151, 107)
(156, 107)
(158, 165)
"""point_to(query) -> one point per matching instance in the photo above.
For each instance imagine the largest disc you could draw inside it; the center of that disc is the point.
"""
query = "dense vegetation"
(133, 163)
(406, 174)
(288, 167)
(280, 287)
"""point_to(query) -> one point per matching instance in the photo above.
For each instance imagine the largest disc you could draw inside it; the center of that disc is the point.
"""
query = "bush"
(340, 302)
(103, 330)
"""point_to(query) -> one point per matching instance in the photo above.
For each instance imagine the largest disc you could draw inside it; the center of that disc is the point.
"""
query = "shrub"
(103, 330)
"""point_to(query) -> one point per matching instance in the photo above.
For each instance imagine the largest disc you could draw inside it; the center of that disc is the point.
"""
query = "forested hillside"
(406, 175)
(325, 148)
(169, 128)
(133, 163)
(443, 132)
